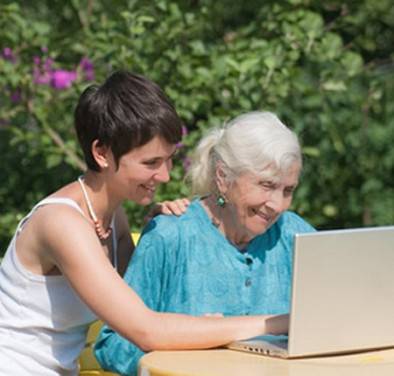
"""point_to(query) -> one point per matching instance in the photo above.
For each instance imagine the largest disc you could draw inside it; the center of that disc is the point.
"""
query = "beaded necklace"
(101, 233)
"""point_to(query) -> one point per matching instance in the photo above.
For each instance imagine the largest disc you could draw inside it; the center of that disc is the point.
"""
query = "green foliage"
(326, 68)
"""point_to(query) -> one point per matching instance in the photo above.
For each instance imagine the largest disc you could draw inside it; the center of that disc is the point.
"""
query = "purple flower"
(59, 79)
(88, 69)
(7, 51)
(42, 71)
(47, 64)
(44, 49)
(89, 76)
(86, 64)
(184, 131)
(62, 79)
(8, 55)
(15, 97)
(44, 79)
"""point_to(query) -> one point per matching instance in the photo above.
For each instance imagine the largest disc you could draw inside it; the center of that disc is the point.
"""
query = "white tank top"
(43, 323)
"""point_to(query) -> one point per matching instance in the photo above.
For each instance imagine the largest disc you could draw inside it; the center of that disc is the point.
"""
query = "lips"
(264, 217)
(149, 188)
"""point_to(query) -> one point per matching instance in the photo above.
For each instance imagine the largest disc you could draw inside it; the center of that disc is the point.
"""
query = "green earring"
(221, 201)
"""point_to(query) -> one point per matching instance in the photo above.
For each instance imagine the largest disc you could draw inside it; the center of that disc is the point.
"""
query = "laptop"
(342, 297)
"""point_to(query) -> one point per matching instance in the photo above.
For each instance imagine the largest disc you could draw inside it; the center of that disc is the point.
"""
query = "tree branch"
(58, 141)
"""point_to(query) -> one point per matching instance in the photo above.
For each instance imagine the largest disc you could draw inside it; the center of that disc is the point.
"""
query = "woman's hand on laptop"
(277, 324)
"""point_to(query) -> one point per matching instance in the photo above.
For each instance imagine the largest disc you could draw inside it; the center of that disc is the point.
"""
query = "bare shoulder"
(49, 231)
(56, 215)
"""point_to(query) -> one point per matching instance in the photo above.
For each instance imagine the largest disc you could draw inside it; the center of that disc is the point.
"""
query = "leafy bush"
(326, 68)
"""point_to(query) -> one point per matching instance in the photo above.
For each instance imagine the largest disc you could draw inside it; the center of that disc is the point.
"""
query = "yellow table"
(223, 362)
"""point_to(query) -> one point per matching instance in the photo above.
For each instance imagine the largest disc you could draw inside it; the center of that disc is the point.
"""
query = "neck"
(103, 230)
(97, 192)
(223, 221)
(214, 211)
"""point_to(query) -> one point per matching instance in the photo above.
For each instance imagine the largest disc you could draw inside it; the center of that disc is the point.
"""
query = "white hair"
(256, 142)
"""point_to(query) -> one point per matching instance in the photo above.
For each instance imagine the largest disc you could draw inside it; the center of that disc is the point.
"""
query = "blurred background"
(325, 67)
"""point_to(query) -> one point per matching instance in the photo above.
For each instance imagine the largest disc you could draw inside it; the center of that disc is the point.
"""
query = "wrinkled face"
(142, 169)
(256, 202)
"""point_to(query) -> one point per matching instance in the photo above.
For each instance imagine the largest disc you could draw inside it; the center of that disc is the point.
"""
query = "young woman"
(61, 269)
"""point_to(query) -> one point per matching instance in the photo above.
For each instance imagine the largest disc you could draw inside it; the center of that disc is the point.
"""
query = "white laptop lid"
(342, 294)
(343, 291)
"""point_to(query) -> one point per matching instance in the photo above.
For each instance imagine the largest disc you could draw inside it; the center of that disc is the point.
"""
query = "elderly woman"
(231, 252)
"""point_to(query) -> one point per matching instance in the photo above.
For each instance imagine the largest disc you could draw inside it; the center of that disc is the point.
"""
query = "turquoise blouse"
(185, 265)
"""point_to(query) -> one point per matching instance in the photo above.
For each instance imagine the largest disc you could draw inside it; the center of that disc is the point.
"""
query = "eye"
(268, 185)
(153, 162)
(288, 191)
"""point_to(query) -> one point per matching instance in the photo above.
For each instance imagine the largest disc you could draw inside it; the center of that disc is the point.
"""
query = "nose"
(277, 202)
(163, 174)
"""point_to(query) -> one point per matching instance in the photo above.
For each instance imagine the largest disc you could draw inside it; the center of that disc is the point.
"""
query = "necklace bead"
(101, 233)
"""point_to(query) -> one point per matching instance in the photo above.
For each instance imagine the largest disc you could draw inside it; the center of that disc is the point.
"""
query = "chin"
(144, 201)
(260, 230)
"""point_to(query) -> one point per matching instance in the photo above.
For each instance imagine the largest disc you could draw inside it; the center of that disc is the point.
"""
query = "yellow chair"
(88, 363)
(136, 237)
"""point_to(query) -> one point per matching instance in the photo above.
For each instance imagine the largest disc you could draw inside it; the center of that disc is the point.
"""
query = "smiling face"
(256, 202)
(142, 169)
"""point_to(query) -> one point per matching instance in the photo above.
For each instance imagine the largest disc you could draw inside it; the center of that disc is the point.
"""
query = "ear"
(221, 178)
(101, 154)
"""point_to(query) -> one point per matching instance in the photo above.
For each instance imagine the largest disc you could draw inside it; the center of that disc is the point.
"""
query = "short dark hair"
(126, 112)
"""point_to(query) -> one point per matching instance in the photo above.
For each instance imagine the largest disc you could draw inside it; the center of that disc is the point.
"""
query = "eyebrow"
(157, 158)
(270, 178)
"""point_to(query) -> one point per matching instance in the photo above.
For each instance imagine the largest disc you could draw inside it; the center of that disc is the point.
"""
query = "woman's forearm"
(174, 331)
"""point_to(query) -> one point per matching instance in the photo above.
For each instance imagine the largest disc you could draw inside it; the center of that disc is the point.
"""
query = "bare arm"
(75, 249)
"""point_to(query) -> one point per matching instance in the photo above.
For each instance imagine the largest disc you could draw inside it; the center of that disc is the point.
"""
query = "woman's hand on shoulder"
(176, 207)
